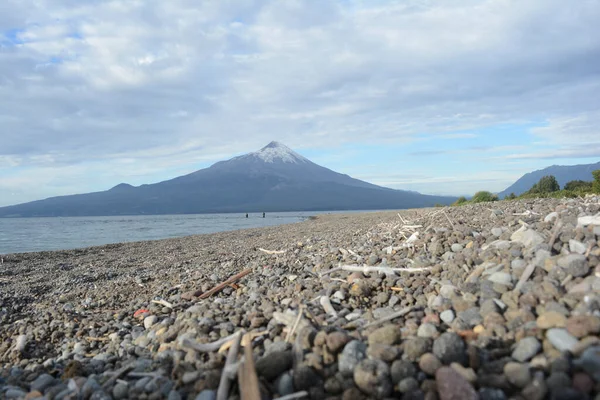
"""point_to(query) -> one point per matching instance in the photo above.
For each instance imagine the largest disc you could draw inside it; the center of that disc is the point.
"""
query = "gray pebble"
(353, 353)
(447, 316)
(526, 349)
(402, 369)
(120, 391)
(373, 378)
(449, 348)
(561, 339)
(207, 395)
(42, 382)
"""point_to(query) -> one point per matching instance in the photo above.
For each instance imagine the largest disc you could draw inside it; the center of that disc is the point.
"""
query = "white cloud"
(198, 80)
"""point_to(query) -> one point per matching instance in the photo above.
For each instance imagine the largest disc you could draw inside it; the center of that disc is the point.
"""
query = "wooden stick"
(366, 269)
(163, 303)
(223, 285)
(117, 374)
(247, 379)
(293, 396)
(206, 347)
(390, 317)
(271, 251)
(326, 304)
(293, 330)
(225, 383)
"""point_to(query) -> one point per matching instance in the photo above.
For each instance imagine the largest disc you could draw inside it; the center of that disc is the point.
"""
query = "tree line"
(547, 186)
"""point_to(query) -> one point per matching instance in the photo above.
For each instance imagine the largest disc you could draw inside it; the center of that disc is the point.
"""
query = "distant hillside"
(562, 173)
(274, 178)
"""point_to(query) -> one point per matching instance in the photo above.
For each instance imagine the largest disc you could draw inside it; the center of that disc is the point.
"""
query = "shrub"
(460, 200)
(483, 196)
(546, 184)
(511, 196)
(596, 183)
(578, 185)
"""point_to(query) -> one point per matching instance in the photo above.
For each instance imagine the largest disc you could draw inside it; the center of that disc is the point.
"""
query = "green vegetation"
(460, 200)
(596, 183)
(482, 196)
(578, 185)
(546, 187)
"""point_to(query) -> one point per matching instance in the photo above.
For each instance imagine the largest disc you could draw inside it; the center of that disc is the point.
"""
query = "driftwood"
(326, 304)
(293, 396)
(247, 378)
(163, 303)
(225, 383)
(228, 282)
(390, 317)
(367, 269)
(271, 251)
(206, 347)
(117, 374)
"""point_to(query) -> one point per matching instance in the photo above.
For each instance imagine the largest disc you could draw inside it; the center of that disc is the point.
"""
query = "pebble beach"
(484, 301)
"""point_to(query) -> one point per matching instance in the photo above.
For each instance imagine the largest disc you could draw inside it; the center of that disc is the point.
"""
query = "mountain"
(562, 173)
(274, 178)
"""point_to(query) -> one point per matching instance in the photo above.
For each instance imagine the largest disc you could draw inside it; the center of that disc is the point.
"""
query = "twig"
(118, 374)
(524, 276)
(225, 383)
(293, 396)
(448, 218)
(250, 336)
(96, 339)
(295, 326)
(247, 379)
(206, 347)
(557, 226)
(326, 303)
(390, 317)
(271, 251)
(228, 282)
(367, 269)
(134, 374)
(163, 303)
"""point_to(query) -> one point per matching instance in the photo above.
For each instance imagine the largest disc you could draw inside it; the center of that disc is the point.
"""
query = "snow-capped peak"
(276, 151)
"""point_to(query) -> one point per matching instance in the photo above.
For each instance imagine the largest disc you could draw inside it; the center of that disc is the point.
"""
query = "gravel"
(498, 304)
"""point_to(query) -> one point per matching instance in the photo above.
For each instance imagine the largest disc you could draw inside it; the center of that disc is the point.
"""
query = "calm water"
(38, 234)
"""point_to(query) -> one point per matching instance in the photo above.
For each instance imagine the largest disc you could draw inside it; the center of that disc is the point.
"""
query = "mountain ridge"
(275, 178)
(562, 173)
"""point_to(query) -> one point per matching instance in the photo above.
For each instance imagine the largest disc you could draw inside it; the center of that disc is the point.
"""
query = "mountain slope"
(562, 173)
(274, 178)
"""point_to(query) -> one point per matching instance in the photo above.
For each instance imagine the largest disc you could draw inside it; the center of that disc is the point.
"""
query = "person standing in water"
(263, 215)
(246, 215)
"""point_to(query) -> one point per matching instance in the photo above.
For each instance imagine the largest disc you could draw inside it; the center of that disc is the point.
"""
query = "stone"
(561, 339)
(449, 348)
(408, 385)
(427, 330)
(575, 246)
(518, 374)
(336, 341)
(526, 349)
(501, 278)
(372, 377)
(383, 352)
(536, 389)
(447, 316)
(305, 378)
(583, 325)
(415, 347)
(527, 237)
(429, 363)
(551, 319)
(589, 361)
(389, 334)
(456, 247)
(453, 386)
(575, 264)
(274, 363)
(353, 353)
(402, 369)
(487, 393)
(42, 382)
(206, 395)
(467, 373)
(583, 383)
(550, 217)
(285, 384)
(120, 391)
(471, 316)
(149, 321)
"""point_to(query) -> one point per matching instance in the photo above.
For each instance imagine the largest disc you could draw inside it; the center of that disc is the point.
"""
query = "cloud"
(188, 80)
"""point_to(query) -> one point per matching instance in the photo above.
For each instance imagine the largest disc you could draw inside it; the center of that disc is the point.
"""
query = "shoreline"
(457, 292)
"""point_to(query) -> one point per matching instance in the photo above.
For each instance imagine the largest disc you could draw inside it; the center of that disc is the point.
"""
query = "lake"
(60, 233)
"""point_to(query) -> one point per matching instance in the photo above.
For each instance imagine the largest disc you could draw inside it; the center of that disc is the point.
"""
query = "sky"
(442, 97)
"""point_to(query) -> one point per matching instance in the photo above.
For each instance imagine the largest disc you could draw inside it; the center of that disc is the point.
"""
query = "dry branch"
(206, 347)
(271, 251)
(163, 303)
(390, 317)
(225, 383)
(247, 378)
(367, 269)
(228, 282)
(326, 303)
